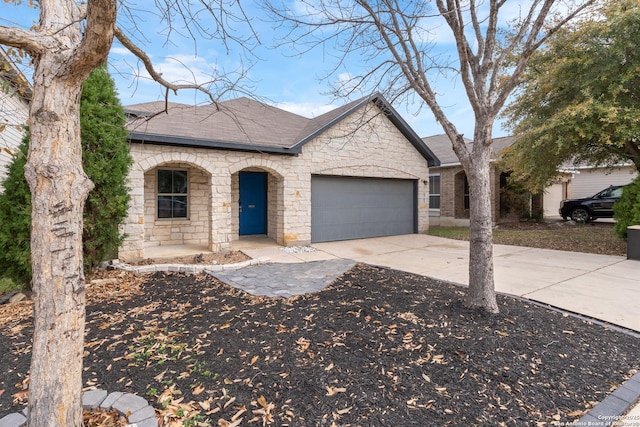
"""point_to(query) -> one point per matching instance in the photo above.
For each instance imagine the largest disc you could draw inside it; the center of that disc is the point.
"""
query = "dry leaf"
(229, 402)
(303, 344)
(159, 376)
(262, 401)
(426, 378)
(238, 414)
(197, 390)
(225, 423)
(254, 359)
(330, 367)
(438, 359)
(345, 410)
(20, 397)
(332, 391)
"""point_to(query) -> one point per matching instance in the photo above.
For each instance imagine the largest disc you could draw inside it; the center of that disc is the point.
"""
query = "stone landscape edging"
(184, 268)
(135, 408)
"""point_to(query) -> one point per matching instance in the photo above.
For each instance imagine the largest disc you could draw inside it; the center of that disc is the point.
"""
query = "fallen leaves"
(20, 398)
(102, 418)
(303, 344)
(377, 345)
(264, 412)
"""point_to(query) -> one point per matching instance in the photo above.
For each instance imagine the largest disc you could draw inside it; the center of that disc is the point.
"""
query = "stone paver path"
(285, 280)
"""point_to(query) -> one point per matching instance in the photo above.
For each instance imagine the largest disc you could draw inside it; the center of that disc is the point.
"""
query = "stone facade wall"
(452, 211)
(193, 230)
(365, 144)
(369, 145)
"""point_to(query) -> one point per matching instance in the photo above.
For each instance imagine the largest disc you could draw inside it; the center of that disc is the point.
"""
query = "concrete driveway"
(599, 286)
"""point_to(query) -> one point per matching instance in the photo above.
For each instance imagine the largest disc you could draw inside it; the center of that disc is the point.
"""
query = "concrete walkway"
(599, 286)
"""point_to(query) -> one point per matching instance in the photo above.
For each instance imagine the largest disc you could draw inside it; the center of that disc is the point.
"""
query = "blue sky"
(278, 75)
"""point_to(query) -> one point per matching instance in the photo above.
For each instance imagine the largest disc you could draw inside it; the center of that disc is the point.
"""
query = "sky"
(278, 75)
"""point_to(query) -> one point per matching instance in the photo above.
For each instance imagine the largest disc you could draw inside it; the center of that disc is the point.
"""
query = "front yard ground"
(378, 347)
(594, 237)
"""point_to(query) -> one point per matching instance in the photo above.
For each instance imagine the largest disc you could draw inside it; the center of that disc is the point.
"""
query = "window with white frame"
(172, 193)
(434, 192)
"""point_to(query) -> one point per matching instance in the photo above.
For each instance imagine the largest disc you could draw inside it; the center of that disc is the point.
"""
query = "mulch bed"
(378, 347)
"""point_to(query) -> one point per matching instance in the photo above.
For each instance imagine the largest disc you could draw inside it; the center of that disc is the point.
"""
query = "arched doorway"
(257, 194)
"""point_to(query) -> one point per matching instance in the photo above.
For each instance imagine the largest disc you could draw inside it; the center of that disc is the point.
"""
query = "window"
(434, 192)
(172, 193)
(466, 194)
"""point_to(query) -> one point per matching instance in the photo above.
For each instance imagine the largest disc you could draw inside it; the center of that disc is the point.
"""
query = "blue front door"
(253, 203)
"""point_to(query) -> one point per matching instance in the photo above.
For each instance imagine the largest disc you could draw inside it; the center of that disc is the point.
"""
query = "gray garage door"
(345, 208)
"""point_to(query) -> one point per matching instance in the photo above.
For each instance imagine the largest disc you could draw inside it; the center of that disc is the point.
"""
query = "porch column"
(297, 211)
(221, 203)
(132, 248)
(423, 204)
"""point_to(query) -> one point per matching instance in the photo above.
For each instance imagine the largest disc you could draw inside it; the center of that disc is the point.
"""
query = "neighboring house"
(449, 189)
(207, 175)
(15, 94)
(576, 182)
(587, 180)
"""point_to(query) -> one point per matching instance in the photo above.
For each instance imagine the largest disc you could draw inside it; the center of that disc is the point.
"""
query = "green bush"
(627, 210)
(106, 160)
(15, 221)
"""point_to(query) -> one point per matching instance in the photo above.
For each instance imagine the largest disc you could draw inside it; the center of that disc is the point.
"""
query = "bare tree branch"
(140, 54)
(32, 42)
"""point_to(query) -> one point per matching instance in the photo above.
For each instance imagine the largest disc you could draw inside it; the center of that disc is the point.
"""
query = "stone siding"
(452, 211)
(193, 230)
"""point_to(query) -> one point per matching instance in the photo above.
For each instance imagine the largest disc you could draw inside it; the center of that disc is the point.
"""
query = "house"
(15, 94)
(449, 189)
(588, 180)
(206, 175)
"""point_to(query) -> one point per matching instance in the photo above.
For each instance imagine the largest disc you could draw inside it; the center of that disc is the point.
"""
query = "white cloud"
(305, 109)
(177, 69)
(186, 69)
(122, 51)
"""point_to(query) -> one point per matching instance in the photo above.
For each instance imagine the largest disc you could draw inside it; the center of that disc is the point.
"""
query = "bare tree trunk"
(59, 188)
(482, 294)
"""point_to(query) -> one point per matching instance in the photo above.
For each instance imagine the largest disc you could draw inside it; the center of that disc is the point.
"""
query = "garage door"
(345, 208)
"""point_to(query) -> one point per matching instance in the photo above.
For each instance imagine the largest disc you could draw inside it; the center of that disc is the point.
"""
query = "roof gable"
(248, 125)
(441, 146)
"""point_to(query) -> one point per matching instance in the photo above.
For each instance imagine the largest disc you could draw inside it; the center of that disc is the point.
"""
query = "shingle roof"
(441, 147)
(239, 121)
(246, 124)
